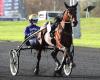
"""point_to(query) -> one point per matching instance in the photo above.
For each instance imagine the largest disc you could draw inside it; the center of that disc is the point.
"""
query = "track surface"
(87, 64)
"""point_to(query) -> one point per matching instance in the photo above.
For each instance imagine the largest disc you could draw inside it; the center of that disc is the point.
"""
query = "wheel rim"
(13, 62)
(68, 69)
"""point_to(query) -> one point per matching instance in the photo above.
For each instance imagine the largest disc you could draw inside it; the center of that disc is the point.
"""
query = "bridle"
(68, 17)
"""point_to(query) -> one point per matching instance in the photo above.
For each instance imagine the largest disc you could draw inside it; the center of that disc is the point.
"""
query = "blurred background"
(22, 8)
(14, 19)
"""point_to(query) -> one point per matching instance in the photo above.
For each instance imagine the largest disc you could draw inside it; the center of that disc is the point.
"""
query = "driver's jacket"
(31, 29)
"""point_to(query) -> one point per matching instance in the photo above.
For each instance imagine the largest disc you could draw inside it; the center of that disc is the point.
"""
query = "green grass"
(12, 30)
(90, 31)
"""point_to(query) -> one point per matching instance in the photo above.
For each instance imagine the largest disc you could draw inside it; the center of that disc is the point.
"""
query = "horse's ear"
(76, 4)
(66, 5)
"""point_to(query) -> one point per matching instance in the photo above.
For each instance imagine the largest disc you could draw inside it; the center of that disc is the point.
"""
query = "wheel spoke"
(68, 68)
(14, 62)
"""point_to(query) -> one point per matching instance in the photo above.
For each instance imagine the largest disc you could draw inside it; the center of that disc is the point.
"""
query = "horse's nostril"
(75, 23)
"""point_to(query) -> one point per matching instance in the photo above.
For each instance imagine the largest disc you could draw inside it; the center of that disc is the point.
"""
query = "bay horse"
(62, 38)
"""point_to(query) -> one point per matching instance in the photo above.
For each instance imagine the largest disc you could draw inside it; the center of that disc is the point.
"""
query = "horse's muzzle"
(75, 23)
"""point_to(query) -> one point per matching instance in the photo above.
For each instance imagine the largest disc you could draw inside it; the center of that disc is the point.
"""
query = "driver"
(31, 29)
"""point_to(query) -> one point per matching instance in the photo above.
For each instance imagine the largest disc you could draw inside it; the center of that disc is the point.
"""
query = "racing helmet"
(33, 18)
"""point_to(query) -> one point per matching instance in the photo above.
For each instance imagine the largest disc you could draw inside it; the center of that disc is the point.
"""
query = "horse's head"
(71, 13)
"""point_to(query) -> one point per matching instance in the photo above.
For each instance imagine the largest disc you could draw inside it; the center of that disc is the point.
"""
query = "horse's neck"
(68, 28)
(64, 28)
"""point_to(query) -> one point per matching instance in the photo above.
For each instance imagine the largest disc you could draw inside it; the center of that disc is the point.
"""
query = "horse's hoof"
(36, 72)
(57, 67)
(58, 72)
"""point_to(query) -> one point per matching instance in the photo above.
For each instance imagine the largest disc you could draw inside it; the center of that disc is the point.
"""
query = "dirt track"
(87, 64)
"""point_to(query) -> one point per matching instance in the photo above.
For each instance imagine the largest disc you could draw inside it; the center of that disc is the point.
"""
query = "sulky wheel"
(14, 62)
(67, 68)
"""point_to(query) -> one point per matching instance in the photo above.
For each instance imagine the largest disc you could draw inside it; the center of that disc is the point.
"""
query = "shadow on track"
(72, 76)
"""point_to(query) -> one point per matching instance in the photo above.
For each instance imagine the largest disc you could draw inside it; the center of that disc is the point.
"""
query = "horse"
(62, 38)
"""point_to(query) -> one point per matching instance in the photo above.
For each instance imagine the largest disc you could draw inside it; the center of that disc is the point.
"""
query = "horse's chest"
(67, 29)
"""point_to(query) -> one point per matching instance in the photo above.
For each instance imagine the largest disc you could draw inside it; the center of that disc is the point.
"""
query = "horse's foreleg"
(71, 53)
(63, 61)
(36, 71)
(54, 55)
